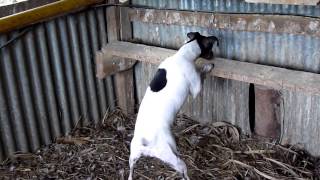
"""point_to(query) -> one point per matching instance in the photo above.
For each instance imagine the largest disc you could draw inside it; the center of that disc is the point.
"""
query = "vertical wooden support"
(119, 28)
(267, 112)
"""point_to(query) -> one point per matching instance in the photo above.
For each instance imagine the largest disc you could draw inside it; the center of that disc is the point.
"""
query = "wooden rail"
(235, 22)
(274, 77)
(42, 13)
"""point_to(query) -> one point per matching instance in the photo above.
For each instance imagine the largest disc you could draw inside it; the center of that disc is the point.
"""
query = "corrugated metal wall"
(231, 6)
(47, 80)
(228, 100)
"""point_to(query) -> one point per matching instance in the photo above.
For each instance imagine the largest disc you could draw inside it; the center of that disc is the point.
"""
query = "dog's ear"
(206, 44)
(193, 35)
(214, 39)
(209, 41)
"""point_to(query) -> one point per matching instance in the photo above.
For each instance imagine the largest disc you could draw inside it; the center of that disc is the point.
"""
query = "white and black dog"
(175, 78)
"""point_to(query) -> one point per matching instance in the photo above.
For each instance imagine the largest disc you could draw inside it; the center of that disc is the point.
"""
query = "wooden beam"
(236, 22)
(42, 13)
(22, 6)
(274, 77)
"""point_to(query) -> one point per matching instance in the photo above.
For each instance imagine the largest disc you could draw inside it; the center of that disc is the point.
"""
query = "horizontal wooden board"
(236, 22)
(277, 78)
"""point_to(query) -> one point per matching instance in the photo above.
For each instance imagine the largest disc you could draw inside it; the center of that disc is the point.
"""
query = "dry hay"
(214, 151)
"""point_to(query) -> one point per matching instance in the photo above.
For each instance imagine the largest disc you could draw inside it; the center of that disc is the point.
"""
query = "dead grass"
(214, 151)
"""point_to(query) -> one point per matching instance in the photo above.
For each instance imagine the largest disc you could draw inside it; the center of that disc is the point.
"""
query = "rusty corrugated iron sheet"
(47, 80)
(227, 100)
(232, 6)
(295, 25)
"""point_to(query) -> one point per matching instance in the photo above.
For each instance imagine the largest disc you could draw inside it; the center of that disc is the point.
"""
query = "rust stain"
(237, 22)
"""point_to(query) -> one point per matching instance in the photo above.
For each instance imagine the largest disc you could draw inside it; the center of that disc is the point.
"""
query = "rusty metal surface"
(296, 52)
(234, 22)
(300, 113)
(232, 6)
(47, 80)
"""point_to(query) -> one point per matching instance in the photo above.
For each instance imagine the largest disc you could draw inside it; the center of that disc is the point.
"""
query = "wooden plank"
(112, 66)
(42, 13)
(22, 6)
(274, 77)
(112, 34)
(236, 22)
(124, 81)
(267, 112)
(294, 2)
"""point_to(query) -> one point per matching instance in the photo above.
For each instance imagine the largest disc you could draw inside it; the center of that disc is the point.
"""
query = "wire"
(151, 7)
(213, 12)
(22, 33)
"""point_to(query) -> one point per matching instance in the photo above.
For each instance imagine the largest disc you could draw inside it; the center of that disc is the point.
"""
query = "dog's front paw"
(207, 68)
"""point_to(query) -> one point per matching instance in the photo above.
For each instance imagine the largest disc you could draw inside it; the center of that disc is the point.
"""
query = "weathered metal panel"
(93, 26)
(10, 86)
(232, 6)
(48, 87)
(88, 67)
(229, 21)
(37, 88)
(24, 91)
(47, 80)
(5, 127)
(300, 113)
(300, 118)
(70, 80)
(58, 75)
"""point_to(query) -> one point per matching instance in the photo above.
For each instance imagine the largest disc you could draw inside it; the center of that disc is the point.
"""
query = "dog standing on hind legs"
(175, 78)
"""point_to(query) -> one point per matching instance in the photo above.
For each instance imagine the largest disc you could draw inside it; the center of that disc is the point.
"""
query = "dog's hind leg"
(135, 154)
(167, 155)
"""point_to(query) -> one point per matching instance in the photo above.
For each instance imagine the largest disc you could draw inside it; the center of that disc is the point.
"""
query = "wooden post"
(118, 23)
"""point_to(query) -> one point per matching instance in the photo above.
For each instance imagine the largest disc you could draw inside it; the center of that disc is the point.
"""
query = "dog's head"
(205, 43)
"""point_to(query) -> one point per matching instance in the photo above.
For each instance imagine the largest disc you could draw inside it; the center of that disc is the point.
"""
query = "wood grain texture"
(120, 29)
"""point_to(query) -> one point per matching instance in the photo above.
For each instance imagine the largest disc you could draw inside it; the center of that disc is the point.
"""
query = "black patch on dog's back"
(159, 80)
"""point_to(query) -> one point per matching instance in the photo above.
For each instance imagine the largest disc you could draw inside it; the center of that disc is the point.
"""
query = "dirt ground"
(215, 151)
